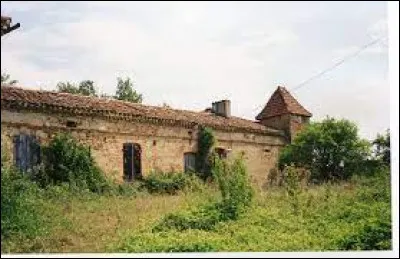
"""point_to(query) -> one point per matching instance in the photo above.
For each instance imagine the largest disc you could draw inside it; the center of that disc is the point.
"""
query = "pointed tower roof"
(282, 102)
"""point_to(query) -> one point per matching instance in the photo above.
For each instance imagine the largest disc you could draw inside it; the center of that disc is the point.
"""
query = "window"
(190, 161)
(71, 124)
(222, 153)
(132, 158)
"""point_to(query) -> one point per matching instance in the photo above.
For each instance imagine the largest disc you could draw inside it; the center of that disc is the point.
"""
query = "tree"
(330, 149)
(5, 79)
(125, 91)
(382, 147)
(67, 87)
(85, 87)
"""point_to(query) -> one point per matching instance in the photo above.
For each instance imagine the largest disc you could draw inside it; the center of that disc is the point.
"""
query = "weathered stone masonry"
(163, 138)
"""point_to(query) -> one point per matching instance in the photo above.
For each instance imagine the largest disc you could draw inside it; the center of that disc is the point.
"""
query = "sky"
(189, 54)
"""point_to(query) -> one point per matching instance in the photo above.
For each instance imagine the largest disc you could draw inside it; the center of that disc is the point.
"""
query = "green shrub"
(19, 211)
(236, 193)
(203, 218)
(234, 185)
(173, 241)
(67, 161)
(372, 236)
(171, 182)
(331, 149)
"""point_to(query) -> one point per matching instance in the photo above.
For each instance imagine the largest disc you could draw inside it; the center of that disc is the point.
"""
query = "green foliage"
(5, 79)
(170, 182)
(67, 161)
(125, 91)
(85, 87)
(127, 189)
(236, 193)
(372, 236)
(206, 141)
(171, 242)
(234, 185)
(382, 145)
(331, 149)
(292, 187)
(203, 218)
(355, 214)
(19, 215)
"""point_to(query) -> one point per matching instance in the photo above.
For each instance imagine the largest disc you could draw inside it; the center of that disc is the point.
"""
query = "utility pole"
(6, 26)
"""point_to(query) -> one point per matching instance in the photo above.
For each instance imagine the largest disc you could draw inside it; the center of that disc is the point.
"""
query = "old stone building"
(130, 140)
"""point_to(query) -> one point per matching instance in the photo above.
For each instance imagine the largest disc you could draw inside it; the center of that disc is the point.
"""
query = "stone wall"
(163, 147)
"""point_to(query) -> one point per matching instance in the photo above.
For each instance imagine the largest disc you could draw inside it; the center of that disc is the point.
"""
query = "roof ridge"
(282, 91)
(96, 97)
(21, 96)
(282, 102)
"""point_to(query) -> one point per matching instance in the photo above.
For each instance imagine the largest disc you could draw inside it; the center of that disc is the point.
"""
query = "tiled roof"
(46, 101)
(282, 102)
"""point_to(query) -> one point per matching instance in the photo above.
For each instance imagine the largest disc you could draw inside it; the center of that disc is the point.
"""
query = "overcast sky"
(188, 54)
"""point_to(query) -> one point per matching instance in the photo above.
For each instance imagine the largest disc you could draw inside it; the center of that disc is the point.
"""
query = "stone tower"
(284, 112)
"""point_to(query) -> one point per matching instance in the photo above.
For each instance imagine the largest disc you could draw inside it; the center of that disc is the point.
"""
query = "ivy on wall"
(206, 141)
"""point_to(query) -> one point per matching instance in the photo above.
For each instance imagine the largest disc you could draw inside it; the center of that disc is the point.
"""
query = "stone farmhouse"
(130, 140)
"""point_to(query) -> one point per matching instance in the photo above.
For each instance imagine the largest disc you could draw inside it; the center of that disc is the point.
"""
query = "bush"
(67, 161)
(331, 149)
(171, 182)
(19, 213)
(234, 185)
(236, 193)
(203, 218)
(382, 145)
(372, 236)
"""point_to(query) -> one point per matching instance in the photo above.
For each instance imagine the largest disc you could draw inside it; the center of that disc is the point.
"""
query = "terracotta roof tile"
(282, 102)
(78, 104)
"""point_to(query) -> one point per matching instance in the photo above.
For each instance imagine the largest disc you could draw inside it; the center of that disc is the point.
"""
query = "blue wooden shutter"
(26, 152)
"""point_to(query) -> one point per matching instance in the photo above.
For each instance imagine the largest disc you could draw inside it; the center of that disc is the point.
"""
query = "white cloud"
(190, 54)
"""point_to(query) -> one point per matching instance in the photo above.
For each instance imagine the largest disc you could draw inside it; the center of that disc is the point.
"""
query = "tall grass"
(352, 215)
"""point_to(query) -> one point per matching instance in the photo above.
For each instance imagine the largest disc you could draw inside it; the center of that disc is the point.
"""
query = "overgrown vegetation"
(353, 215)
(236, 195)
(330, 149)
(67, 161)
(70, 206)
(19, 215)
(171, 182)
(206, 141)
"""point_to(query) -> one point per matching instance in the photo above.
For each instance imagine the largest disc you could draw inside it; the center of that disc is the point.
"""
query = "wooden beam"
(10, 29)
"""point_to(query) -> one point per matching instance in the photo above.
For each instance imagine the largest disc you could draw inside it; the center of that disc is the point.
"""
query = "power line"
(354, 54)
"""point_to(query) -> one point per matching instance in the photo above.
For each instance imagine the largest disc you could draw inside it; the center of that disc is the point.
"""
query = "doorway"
(132, 155)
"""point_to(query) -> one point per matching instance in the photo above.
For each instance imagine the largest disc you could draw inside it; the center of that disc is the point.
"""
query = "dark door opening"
(132, 155)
